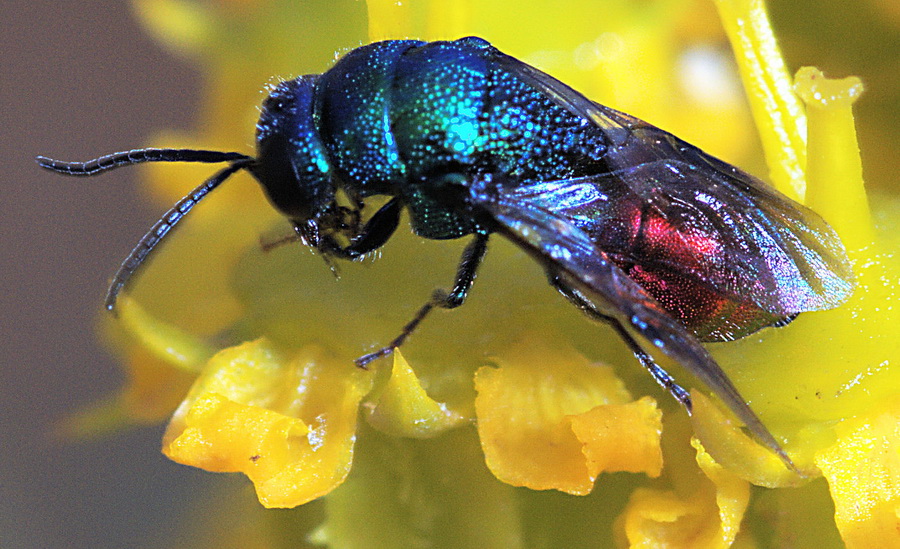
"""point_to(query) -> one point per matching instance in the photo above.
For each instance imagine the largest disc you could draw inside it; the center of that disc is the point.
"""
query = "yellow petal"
(403, 408)
(182, 26)
(540, 427)
(154, 388)
(224, 436)
(708, 517)
(621, 437)
(723, 439)
(732, 494)
(863, 473)
(289, 425)
(170, 344)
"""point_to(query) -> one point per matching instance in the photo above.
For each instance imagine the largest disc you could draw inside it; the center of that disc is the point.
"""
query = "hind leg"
(661, 376)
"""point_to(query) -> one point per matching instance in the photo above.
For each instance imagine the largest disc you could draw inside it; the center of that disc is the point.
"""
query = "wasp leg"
(373, 235)
(267, 245)
(465, 276)
(784, 321)
(661, 376)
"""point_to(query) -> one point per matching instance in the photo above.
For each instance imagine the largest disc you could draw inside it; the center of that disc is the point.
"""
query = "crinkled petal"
(403, 408)
(709, 517)
(621, 437)
(289, 425)
(540, 427)
(863, 473)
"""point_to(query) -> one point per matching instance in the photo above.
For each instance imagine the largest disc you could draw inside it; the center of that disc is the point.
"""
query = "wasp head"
(291, 163)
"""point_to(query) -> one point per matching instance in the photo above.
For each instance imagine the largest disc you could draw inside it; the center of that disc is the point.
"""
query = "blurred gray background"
(82, 78)
(77, 78)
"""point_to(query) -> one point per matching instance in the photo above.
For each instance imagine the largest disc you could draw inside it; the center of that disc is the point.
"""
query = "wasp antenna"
(137, 156)
(165, 224)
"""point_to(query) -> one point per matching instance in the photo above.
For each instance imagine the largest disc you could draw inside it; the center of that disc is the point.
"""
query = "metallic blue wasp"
(633, 226)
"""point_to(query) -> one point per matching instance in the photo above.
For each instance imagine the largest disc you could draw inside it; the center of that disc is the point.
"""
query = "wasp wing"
(568, 252)
(733, 232)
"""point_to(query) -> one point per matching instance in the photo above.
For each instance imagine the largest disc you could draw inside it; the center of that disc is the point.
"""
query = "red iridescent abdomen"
(672, 264)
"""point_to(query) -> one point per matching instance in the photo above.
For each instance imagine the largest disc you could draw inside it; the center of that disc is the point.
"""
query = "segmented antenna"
(137, 156)
(168, 221)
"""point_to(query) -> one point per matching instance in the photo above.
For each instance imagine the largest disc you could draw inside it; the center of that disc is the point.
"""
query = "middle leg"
(465, 277)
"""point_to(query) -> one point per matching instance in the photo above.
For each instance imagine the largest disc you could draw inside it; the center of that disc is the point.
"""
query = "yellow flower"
(427, 447)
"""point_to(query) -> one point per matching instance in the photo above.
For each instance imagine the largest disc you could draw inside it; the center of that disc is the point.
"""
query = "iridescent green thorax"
(404, 117)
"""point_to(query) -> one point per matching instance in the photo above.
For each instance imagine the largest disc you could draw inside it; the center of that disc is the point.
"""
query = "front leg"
(373, 235)
(465, 277)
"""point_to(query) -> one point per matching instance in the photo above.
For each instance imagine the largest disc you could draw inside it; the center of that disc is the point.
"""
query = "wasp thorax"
(291, 162)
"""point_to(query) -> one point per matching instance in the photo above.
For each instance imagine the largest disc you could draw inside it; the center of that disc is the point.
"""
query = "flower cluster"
(427, 448)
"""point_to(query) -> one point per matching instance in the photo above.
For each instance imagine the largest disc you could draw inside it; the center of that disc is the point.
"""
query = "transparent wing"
(694, 215)
(570, 253)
